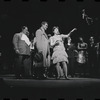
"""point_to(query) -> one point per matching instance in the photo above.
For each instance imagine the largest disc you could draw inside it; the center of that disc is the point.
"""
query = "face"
(56, 31)
(45, 26)
(81, 39)
(91, 39)
(25, 31)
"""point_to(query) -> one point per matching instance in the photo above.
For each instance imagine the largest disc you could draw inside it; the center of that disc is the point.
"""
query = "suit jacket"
(20, 45)
(42, 45)
(41, 40)
(70, 50)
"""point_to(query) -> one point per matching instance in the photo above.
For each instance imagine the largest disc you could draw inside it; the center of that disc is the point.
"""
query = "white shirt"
(26, 39)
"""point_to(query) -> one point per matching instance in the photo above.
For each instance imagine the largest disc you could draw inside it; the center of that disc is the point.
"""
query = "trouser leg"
(18, 65)
(27, 66)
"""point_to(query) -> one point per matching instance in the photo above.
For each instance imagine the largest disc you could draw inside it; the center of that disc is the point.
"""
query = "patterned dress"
(59, 53)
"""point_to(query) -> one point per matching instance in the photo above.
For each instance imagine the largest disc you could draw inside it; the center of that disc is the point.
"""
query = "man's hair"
(44, 22)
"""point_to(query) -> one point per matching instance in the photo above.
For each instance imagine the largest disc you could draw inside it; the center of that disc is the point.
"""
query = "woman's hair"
(55, 28)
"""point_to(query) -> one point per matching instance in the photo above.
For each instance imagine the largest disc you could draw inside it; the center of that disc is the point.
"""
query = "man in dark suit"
(21, 44)
(92, 56)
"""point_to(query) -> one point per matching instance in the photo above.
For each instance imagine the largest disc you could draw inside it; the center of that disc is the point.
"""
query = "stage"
(49, 89)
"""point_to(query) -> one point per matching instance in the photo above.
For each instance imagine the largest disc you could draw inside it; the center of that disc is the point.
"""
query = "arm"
(52, 42)
(86, 45)
(64, 36)
(15, 43)
(33, 42)
(68, 35)
(38, 37)
(78, 46)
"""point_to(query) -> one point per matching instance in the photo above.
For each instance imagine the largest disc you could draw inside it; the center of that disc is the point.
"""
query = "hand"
(74, 29)
(0, 53)
(17, 51)
(57, 42)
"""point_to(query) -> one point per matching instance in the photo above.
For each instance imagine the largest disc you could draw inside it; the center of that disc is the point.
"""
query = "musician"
(81, 59)
(33, 52)
(21, 44)
(92, 55)
(98, 58)
(70, 49)
(42, 45)
(59, 55)
(82, 47)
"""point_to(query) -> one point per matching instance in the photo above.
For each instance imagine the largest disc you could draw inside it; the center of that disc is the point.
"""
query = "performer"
(98, 58)
(59, 53)
(42, 45)
(82, 59)
(82, 46)
(92, 55)
(22, 49)
(71, 49)
(33, 52)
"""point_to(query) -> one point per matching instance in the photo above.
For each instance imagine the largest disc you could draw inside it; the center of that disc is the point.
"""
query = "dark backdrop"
(67, 15)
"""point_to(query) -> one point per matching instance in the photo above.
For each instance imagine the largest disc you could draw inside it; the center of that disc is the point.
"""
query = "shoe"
(66, 78)
(18, 76)
(58, 77)
(72, 76)
(42, 77)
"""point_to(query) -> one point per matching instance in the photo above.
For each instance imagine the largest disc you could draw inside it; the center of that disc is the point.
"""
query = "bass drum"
(81, 58)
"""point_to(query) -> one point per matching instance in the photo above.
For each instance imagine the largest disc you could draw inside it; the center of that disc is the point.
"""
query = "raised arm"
(64, 36)
(68, 35)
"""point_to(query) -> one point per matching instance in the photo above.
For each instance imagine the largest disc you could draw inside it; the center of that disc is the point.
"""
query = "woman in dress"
(82, 56)
(59, 55)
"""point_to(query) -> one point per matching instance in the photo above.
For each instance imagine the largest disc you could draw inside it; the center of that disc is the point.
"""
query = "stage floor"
(50, 89)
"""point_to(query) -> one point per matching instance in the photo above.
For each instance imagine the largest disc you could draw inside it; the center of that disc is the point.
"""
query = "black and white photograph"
(49, 49)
